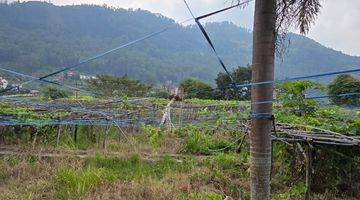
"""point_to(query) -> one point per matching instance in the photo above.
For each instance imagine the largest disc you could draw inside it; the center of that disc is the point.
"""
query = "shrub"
(200, 143)
(71, 183)
(154, 135)
(53, 93)
(118, 86)
(197, 143)
(292, 95)
(296, 191)
(344, 84)
(196, 89)
(224, 89)
(225, 161)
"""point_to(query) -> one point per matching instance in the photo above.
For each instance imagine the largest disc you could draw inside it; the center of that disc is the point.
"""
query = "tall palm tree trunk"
(262, 70)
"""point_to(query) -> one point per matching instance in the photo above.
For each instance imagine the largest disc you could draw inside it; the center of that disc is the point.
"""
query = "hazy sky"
(337, 27)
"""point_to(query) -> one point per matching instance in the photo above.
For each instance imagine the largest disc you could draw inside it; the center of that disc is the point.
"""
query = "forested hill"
(37, 37)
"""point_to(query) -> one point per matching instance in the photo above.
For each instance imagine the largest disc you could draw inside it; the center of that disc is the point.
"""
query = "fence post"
(309, 162)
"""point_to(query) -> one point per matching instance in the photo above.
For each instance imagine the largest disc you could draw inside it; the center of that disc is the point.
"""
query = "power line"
(207, 37)
(46, 81)
(97, 56)
(308, 98)
(298, 78)
(222, 10)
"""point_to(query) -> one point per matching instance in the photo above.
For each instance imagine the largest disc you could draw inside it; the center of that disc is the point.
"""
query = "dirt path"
(81, 154)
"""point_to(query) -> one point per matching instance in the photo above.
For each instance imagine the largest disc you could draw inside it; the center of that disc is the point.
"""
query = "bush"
(292, 95)
(224, 89)
(200, 143)
(296, 191)
(53, 93)
(74, 184)
(344, 84)
(225, 161)
(154, 135)
(196, 89)
(118, 86)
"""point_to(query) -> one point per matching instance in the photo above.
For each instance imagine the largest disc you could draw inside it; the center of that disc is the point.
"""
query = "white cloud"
(338, 26)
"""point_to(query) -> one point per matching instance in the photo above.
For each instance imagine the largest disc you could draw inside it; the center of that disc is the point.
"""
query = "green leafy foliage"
(296, 191)
(292, 95)
(344, 84)
(198, 142)
(24, 114)
(154, 135)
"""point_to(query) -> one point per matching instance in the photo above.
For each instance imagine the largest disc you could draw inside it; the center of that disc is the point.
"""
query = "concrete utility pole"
(261, 123)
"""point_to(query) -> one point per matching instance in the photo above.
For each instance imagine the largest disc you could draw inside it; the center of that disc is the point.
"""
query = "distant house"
(3, 83)
(84, 77)
(34, 92)
(15, 87)
(70, 74)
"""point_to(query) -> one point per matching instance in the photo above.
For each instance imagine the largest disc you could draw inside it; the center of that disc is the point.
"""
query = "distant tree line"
(342, 90)
(225, 88)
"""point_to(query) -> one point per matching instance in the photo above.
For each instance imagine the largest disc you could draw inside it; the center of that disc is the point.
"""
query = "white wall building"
(3, 83)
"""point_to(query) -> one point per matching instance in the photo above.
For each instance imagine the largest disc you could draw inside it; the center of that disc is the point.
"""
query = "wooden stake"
(107, 129)
(75, 133)
(58, 135)
(309, 160)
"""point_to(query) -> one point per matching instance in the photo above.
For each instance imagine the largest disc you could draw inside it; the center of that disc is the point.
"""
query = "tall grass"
(75, 183)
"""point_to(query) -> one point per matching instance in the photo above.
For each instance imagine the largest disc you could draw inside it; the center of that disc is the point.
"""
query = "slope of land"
(38, 37)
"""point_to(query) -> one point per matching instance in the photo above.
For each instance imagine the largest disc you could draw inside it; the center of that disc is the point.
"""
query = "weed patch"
(73, 184)
(200, 143)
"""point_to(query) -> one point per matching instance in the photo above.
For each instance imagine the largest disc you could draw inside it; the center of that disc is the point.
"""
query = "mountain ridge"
(38, 38)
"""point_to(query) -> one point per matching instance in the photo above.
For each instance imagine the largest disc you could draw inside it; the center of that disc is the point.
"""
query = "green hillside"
(37, 38)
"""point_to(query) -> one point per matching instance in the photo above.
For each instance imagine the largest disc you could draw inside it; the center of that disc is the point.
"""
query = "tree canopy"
(224, 85)
(345, 84)
(118, 86)
(196, 89)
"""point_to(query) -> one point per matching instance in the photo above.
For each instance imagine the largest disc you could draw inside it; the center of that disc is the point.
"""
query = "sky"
(337, 27)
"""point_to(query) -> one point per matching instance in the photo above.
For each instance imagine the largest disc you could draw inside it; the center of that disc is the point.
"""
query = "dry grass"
(34, 173)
